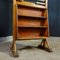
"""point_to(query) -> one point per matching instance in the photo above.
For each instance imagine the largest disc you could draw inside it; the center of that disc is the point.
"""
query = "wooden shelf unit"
(30, 21)
(30, 18)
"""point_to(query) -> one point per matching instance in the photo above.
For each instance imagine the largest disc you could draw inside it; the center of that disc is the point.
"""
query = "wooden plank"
(33, 26)
(31, 38)
(32, 5)
(38, 17)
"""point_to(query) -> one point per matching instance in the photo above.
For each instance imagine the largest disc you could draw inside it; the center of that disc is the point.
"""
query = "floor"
(33, 53)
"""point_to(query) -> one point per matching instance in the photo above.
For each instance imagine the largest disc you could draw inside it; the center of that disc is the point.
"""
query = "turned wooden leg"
(14, 50)
(44, 45)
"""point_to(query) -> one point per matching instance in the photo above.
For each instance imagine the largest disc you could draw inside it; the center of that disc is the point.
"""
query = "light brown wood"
(31, 38)
(30, 21)
(13, 47)
(32, 5)
(29, 12)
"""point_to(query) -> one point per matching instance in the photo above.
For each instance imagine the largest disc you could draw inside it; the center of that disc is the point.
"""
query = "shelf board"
(32, 26)
(41, 17)
(30, 38)
(32, 5)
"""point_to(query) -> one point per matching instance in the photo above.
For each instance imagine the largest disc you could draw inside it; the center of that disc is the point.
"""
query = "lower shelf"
(31, 33)
(30, 38)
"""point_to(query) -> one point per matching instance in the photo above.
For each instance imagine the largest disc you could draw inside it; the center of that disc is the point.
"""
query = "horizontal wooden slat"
(33, 26)
(38, 17)
(31, 38)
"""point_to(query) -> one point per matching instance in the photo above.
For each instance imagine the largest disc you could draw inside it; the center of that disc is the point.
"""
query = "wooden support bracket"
(44, 45)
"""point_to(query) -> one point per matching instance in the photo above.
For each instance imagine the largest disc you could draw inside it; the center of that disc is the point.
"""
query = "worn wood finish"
(30, 21)
(29, 12)
(32, 5)
(31, 32)
(13, 47)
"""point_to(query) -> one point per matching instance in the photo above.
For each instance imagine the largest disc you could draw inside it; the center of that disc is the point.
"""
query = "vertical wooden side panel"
(48, 23)
(46, 15)
(14, 20)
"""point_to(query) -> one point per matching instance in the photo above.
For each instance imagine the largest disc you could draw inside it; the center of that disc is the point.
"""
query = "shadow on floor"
(5, 47)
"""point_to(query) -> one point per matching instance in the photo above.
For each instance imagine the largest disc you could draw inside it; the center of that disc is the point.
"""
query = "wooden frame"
(19, 23)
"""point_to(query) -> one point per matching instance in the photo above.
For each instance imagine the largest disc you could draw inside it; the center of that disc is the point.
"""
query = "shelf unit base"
(15, 54)
(43, 45)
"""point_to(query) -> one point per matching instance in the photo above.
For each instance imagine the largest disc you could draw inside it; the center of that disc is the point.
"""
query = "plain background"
(6, 17)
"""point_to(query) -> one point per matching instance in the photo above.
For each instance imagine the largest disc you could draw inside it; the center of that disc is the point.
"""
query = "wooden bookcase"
(30, 21)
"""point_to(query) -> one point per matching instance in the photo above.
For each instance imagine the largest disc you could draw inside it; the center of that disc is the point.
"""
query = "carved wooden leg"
(44, 45)
(14, 50)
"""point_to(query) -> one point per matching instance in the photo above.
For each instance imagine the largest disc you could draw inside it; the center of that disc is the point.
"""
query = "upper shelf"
(32, 5)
